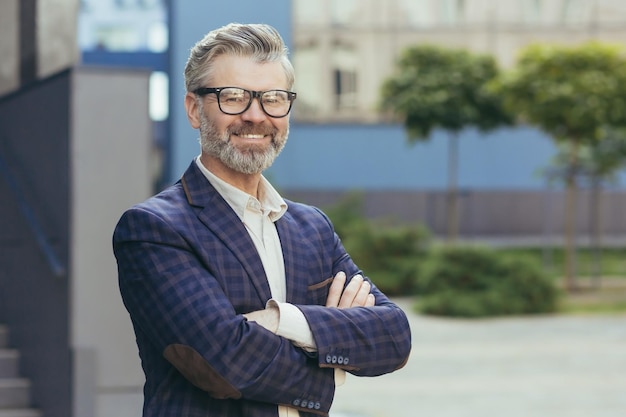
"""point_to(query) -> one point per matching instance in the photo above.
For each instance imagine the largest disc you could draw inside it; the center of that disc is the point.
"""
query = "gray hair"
(260, 42)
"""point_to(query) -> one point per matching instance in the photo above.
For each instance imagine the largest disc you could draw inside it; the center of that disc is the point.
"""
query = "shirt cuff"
(340, 377)
(292, 325)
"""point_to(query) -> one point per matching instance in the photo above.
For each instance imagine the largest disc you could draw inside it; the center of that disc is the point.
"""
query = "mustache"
(252, 129)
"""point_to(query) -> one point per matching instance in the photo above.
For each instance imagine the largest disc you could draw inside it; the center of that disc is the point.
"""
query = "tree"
(571, 93)
(600, 165)
(435, 87)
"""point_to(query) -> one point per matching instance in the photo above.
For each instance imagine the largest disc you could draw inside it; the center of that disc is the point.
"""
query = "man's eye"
(274, 99)
(233, 98)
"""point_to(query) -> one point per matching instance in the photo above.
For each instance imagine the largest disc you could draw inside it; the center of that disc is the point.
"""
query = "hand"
(356, 293)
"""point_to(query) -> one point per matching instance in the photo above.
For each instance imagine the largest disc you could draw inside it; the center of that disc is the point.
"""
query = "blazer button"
(334, 358)
(311, 404)
(296, 402)
(304, 404)
(329, 358)
(340, 360)
(345, 361)
(318, 405)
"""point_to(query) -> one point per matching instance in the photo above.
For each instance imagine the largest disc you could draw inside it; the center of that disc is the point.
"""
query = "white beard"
(251, 160)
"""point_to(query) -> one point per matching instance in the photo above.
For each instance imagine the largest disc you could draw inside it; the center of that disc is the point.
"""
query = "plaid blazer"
(188, 270)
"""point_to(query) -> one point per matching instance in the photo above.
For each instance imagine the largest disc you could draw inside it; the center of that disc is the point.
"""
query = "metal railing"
(55, 264)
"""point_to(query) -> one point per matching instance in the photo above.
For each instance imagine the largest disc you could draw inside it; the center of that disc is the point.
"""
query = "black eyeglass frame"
(203, 91)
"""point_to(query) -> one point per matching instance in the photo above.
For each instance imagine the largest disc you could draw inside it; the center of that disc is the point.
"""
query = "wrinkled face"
(248, 142)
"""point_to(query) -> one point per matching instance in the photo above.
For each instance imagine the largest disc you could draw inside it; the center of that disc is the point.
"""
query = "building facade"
(343, 49)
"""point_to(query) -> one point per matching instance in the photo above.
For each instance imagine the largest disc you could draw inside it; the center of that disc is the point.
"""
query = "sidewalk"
(546, 366)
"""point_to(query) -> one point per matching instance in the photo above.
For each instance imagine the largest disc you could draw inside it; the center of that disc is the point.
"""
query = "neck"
(248, 183)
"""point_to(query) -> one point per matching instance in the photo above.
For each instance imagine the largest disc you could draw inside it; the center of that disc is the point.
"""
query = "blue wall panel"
(379, 157)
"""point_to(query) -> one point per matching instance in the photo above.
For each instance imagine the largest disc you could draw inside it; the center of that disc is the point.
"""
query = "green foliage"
(597, 162)
(613, 260)
(438, 87)
(607, 157)
(347, 215)
(569, 92)
(390, 256)
(477, 282)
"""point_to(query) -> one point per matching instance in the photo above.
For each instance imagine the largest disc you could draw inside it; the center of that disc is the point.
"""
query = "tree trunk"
(596, 231)
(570, 219)
(453, 193)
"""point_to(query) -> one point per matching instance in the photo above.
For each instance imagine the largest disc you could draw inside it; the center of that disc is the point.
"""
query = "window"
(343, 12)
(532, 11)
(576, 12)
(453, 11)
(308, 63)
(344, 77)
(157, 37)
(159, 96)
(307, 12)
(123, 25)
(417, 12)
(345, 89)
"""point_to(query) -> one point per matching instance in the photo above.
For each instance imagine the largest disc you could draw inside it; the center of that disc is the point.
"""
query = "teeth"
(252, 136)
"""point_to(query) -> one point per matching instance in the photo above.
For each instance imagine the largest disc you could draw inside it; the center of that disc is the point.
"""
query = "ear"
(193, 110)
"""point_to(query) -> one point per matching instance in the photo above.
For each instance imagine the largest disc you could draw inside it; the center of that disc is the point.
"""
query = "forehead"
(239, 71)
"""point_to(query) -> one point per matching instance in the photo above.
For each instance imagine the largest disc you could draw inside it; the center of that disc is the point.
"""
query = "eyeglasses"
(235, 100)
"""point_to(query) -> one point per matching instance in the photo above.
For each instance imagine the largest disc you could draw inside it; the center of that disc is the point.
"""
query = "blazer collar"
(198, 189)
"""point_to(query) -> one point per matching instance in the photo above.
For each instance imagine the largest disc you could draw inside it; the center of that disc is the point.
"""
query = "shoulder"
(308, 215)
(167, 203)
(178, 198)
(304, 210)
(166, 207)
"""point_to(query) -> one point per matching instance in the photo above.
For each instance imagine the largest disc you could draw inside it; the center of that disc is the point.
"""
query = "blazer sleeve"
(176, 302)
(365, 341)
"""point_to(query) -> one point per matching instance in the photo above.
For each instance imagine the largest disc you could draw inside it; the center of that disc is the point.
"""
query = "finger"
(361, 296)
(335, 290)
(371, 301)
(351, 290)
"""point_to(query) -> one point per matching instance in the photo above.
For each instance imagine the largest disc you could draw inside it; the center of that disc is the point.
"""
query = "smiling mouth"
(251, 136)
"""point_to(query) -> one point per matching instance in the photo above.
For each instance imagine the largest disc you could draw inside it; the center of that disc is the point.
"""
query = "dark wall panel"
(501, 216)
(34, 143)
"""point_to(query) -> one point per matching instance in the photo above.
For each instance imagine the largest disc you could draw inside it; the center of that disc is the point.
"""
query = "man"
(240, 300)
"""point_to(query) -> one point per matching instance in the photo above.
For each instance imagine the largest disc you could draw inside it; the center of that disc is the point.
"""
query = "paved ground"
(549, 366)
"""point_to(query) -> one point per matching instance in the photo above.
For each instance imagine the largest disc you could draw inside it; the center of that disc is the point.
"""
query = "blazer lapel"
(292, 244)
(219, 217)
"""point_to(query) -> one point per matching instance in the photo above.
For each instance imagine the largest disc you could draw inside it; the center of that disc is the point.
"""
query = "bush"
(390, 256)
(477, 282)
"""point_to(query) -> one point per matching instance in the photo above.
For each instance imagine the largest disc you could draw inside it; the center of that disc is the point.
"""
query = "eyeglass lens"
(275, 103)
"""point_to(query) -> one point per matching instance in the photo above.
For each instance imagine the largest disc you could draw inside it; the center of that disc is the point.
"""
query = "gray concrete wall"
(110, 150)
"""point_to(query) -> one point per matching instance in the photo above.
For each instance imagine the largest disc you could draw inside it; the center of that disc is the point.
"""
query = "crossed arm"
(355, 294)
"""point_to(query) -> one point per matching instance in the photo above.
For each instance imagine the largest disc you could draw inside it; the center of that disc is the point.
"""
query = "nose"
(254, 113)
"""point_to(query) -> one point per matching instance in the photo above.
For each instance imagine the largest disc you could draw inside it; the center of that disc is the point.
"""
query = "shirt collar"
(269, 199)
